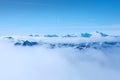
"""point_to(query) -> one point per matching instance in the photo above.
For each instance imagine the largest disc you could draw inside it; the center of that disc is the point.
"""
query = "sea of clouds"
(42, 63)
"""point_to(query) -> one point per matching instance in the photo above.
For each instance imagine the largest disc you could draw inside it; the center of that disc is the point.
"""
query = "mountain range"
(97, 40)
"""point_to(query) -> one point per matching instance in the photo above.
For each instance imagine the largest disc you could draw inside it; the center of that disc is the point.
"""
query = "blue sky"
(59, 16)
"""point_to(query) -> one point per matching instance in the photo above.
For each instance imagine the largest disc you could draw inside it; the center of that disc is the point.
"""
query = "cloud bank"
(42, 63)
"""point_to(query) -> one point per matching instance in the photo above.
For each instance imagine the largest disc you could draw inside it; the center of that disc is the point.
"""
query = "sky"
(59, 16)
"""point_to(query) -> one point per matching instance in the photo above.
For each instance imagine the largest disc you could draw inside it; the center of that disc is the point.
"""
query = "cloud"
(41, 63)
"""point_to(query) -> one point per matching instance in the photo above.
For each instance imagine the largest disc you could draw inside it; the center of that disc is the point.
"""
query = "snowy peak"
(54, 35)
(68, 35)
(86, 35)
(102, 34)
(95, 45)
(83, 35)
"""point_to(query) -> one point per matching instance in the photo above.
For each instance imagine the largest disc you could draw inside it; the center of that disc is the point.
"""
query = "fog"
(41, 63)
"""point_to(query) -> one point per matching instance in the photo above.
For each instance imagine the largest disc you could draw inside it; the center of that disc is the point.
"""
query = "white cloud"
(40, 63)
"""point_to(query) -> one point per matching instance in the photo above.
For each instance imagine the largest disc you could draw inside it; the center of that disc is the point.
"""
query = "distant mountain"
(34, 35)
(102, 34)
(68, 35)
(51, 35)
(26, 43)
(10, 38)
(86, 35)
(95, 45)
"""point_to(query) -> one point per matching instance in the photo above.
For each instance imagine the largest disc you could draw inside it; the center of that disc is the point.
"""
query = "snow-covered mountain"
(85, 35)
(95, 45)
